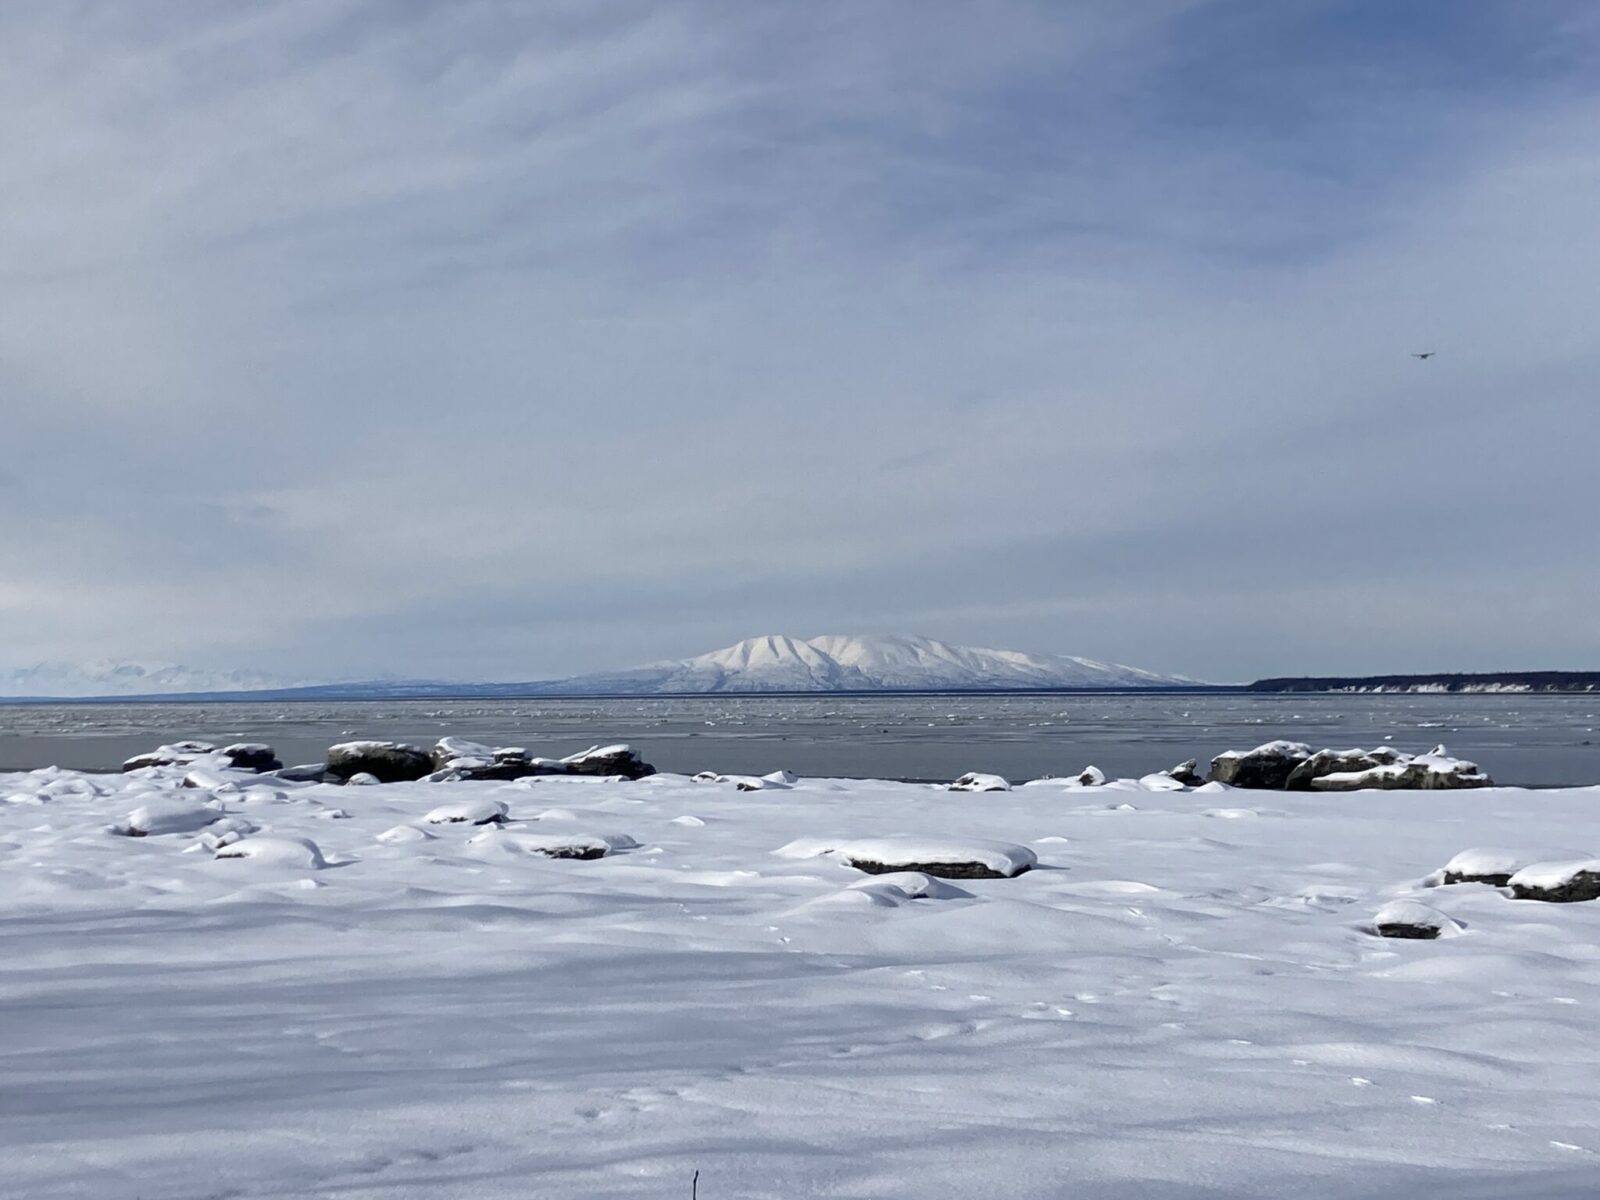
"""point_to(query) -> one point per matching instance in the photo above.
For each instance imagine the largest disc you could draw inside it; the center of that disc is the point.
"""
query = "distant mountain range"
(1502, 681)
(110, 678)
(776, 663)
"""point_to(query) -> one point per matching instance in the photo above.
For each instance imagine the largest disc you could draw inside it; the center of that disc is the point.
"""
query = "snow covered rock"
(449, 749)
(581, 846)
(1558, 882)
(1187, 773)
(608, 760)
(301, 853)
(1267, 766)
(1335, 762)
(303, 773)
(974, 781)
(252, 756)
(169, 814)
(225, 832)
(468, 812)
(1496, 867)
(244, 756)
(958, 859)
(1434, 770)
(388, 762)
(1409, 919)
(1091, 777)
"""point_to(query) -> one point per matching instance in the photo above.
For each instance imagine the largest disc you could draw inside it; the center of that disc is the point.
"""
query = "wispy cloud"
(482, 339)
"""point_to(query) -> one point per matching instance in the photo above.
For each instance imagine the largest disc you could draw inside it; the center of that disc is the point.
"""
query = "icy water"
(1536, 741)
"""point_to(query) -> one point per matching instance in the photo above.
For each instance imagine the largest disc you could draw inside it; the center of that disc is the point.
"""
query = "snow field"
(1167, 1005)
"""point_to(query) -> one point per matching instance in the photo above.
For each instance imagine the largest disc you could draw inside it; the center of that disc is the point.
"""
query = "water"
(1536, 741)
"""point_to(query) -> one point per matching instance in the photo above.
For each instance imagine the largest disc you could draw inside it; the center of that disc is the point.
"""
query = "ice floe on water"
(246, 981)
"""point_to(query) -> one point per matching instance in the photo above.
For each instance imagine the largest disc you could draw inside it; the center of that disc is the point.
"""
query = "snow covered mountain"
(108, 678)
(857, 663)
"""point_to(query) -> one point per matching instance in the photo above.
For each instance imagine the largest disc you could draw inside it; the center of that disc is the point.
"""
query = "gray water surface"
(1536, 741)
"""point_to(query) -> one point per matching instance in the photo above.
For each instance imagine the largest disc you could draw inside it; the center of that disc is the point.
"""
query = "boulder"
(1408, 919)
(1332, 762)
(974, 781)
(1267, 766)
(303, 773)
(953, 859)
(1186, 773)
(251, 756)
(606, 760)
(1091, 777)
(1496, 867)
(178, 754)
(468, 812)
(294, 852)
(388, 762)
(1434, 770)
(1567, 882)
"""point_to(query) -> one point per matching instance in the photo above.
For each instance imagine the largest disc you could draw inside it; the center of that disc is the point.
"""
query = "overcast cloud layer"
(511, 340)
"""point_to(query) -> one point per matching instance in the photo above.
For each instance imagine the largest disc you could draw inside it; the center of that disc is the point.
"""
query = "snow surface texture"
(855, 663)
(1182, 1000)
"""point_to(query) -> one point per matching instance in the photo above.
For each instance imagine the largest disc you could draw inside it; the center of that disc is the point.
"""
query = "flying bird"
(1425, 354)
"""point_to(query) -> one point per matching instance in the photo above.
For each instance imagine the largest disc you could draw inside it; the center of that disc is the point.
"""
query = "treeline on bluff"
(1508, 681)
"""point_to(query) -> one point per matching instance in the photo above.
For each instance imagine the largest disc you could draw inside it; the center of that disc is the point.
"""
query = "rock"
(1091, 777)
(1408, 919)
(388, 762)
(1496, 867)
(1434, 770)
(1267, 766)
(957, 859)
(1331, 762)
(1186, 773)
(974, 781)
(581, 846)
(178, 754)
(607, 760)
(473, 812)
(448, 749)
(252, 756)
(1568, 882)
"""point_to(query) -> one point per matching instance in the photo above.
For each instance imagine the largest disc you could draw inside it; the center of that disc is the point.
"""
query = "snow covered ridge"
(110, 678)
(833, 663)
(398, 981)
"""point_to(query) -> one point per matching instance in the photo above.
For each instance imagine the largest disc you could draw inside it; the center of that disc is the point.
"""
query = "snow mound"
(468, 812)
(401, 835)
(808, 847)
(170, 815)
(912, 885)
(296, 852)
(974, 781)
(947, 859)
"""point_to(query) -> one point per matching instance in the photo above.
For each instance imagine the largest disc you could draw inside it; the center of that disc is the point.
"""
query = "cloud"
(471, 339)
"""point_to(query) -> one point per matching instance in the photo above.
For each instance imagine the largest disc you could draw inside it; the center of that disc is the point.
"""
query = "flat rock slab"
(955, 859)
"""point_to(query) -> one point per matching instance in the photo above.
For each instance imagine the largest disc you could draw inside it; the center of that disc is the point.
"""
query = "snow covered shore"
(576, 987)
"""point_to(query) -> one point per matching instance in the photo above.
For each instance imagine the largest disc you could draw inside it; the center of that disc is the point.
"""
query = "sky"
(493, 340)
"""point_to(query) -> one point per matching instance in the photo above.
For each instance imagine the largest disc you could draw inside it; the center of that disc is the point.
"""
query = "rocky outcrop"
(1432, 771)
(1186, 773)
(1267, 766)
(242, 756)
(455, 759)
(1291, 766)
(387, 762)
(1332, 762)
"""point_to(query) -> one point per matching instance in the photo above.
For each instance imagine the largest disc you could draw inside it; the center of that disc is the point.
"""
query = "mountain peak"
(864, 662)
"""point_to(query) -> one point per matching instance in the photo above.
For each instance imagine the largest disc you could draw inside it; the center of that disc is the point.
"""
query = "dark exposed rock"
(1411, 920)
(178, 754)
(252, 756)
(942, 870)
(1426, 772)
(1267, 766)
(1329, 762)
(1399, 929)
(388, 762)
(1558, 883)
